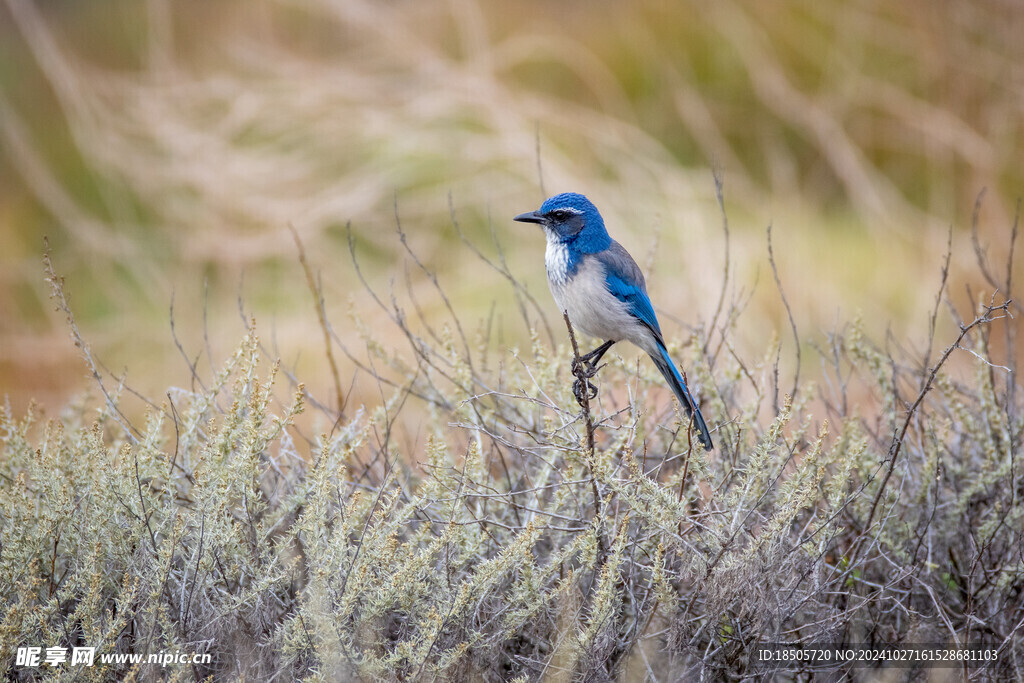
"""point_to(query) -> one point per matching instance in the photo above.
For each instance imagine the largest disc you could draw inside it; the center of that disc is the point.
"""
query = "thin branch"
(57, 292)
(938, 298)
(580, 373)
(501, 267)
(789, 313)
(318, 301)
(720, 196)
(897, 441)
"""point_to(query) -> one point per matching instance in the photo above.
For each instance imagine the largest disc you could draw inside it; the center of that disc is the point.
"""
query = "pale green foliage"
(221, 527)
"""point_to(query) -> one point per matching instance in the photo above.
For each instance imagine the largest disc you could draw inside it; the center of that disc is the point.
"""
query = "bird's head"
(570, 218)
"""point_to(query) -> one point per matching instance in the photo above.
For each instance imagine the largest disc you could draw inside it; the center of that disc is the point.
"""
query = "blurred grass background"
(164, 149)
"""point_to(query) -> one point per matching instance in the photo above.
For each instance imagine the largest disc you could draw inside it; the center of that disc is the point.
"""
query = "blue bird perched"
(595, 280)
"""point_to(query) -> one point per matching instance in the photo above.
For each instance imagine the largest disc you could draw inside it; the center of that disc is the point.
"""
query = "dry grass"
(526, 539)
(178, 147)
(422, 501)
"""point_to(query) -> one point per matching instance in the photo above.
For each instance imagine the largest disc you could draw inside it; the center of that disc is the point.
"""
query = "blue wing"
(626, 283)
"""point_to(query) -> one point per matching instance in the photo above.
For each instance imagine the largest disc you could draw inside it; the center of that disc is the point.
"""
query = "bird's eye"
(559, 214)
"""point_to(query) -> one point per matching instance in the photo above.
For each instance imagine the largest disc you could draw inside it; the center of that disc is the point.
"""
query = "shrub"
(529, 539)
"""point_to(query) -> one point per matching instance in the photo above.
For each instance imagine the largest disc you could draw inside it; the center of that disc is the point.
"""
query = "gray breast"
(593, 309)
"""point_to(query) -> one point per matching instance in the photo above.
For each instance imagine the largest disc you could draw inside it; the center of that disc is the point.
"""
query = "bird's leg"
(584, 368)
(583, 390)
(595, 356)
(588, 362)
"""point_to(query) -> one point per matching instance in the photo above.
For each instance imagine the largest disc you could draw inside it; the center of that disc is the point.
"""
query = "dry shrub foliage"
(506, 549)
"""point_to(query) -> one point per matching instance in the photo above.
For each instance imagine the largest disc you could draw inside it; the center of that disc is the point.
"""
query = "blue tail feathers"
(678, 386)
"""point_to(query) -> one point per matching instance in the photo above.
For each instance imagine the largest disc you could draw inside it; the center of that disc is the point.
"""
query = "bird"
(600, 287)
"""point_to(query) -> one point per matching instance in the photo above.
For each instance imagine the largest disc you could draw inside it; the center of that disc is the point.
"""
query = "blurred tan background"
(165, 147)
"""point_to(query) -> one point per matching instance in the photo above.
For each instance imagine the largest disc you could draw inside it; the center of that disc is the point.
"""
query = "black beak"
(529, 217)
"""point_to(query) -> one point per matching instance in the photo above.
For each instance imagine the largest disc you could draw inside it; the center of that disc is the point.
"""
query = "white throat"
(556, 260)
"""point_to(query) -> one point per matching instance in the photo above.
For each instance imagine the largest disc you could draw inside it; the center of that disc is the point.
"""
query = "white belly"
(593, 310)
